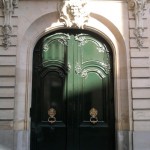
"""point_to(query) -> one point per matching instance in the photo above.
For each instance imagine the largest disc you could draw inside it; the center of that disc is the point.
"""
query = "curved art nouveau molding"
(35, 31)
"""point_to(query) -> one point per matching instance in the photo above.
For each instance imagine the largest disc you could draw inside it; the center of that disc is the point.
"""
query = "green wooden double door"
(72, 93)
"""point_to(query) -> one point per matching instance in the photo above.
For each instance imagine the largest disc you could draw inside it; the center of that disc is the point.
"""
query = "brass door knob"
(51, 113)
(93, 113)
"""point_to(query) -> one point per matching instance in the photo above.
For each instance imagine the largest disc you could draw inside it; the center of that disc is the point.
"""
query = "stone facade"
(124, 24)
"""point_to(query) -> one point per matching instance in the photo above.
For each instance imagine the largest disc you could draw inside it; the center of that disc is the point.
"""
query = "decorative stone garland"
(138, 7)
(8, 9)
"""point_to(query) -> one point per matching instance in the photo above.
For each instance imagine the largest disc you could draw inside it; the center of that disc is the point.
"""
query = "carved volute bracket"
(138, 8)
(8, 9)
(74, 13)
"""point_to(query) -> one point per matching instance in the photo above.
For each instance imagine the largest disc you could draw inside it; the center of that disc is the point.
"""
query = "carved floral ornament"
(74, 13)
(8, 9)
(138, 7)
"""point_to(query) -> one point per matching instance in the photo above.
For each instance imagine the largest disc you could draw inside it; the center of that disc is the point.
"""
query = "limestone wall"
(140, 75)
(7, 83)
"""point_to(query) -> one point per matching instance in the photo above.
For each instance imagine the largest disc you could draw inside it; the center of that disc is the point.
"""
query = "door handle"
(51, 113)
(93, 113)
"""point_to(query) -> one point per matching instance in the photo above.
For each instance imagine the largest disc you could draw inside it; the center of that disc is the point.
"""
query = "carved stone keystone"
(74, 13)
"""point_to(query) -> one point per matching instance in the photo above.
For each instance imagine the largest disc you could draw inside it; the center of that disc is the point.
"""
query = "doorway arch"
(111, 34)
(72, 92)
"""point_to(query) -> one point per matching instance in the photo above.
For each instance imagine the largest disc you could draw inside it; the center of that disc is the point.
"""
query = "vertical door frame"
(122, 97)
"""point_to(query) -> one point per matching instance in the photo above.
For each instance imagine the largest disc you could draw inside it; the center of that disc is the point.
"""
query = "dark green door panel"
(49, 91)
(93, 76)
(72, 73)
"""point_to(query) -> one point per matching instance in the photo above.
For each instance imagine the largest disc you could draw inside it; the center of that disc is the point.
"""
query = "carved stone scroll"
(74, 13)
(8, 9)
(138, 7)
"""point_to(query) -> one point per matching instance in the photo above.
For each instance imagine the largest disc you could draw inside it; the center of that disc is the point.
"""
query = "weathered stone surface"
(12, 51)
(13, 41)
(145, 33)
(6, 125)
(140, 54)
(7, 81)
(141, 114)
(132, 23)
(7, 92)
(7, 70)
(133, 43)
(141, 104)
(141, 125)
(141, 93)
(141, 140)
(6, 103)
(140, 72)
(6, 60)
(136, 83)
(6, 114)
(124, 141)
(140, 62)
(6, 140)
(14, 31)
(14, 21)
